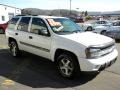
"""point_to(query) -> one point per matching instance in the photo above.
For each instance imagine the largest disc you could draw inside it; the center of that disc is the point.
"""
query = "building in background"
(6, 13)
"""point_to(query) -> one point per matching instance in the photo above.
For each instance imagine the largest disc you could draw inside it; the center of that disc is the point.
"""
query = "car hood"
(88, 38)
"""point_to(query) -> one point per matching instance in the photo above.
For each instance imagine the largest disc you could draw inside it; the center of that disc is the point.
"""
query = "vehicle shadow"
(36, 72)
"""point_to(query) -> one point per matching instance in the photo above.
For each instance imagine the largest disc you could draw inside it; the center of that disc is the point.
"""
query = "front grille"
(104, 49)
(107, 50)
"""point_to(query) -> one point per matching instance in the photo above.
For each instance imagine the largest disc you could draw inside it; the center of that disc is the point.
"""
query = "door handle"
(30, 37)
(16, 33)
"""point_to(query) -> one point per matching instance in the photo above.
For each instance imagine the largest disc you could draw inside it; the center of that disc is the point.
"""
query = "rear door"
(22, 33)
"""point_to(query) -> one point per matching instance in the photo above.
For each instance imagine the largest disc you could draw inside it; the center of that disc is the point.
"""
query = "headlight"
(92, 52)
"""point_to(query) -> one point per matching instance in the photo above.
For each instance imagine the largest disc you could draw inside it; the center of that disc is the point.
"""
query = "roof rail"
(21, 15)
(34, 15)
(26, 15)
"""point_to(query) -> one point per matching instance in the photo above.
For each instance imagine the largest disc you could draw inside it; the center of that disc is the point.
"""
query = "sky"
(82, 5)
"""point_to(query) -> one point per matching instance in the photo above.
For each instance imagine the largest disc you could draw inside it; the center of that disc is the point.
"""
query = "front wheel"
(2, 31)
(14, 50)
(67, 65)
(89, 28)
(103, 32)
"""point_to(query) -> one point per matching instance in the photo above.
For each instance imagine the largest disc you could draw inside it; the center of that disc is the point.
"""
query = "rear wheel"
(67, 65)
(89, 28)
(103, 32)
(2, 31)
(14, 50)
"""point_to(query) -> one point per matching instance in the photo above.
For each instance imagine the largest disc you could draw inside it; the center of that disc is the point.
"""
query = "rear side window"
(12, 23)
(23, 24)
(116, 24)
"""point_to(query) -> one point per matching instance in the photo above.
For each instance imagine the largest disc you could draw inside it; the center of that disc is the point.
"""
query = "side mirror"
(43, 32)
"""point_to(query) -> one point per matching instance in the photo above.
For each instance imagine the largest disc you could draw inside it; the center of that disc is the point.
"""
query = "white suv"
(62, 41)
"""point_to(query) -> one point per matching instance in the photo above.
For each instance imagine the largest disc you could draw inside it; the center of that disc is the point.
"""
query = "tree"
(86, 13)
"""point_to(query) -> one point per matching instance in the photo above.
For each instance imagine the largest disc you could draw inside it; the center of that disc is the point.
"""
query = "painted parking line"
(8, 82)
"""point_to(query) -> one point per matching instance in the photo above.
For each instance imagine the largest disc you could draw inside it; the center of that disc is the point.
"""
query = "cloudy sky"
(83, 5)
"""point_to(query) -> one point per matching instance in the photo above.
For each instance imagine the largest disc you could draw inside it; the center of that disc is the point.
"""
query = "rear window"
(23, 24)
(12, 23)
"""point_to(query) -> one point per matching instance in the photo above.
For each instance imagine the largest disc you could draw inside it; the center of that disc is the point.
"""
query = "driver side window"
(38, 27)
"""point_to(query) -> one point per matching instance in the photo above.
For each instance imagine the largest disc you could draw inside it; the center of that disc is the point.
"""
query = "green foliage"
(88, 18)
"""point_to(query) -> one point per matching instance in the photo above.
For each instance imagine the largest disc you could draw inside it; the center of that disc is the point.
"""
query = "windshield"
(63, 26)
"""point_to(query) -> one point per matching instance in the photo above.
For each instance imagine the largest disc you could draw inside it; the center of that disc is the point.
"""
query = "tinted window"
(23, 24)
(101, 22)
(116, 24)
(38, 26)
(12, 23)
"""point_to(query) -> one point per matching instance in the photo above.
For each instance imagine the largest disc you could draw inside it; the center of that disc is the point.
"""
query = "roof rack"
(21, 15)
(26, 15)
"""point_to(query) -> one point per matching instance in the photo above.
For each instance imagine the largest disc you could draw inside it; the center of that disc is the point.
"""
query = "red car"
(3, 27)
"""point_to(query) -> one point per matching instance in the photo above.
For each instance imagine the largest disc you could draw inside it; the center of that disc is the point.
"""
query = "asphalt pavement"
(30, 72)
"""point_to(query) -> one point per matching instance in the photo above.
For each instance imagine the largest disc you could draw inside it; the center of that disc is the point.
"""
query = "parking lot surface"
(30, 72)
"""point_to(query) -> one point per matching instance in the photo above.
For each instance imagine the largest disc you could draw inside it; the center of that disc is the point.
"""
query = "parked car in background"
(89, 26)
(6, 13)
(3, 27)
(115, 34)
(114, 31)
(62, 41)
(112, 26)
(101, 29)
(77, 19)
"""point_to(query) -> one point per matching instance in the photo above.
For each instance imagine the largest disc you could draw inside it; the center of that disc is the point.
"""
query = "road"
(30, 72)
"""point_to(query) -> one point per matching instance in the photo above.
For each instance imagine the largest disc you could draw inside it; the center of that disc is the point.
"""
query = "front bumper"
(100, 63)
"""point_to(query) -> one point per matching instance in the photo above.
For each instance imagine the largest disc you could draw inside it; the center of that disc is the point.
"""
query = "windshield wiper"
(76, 31)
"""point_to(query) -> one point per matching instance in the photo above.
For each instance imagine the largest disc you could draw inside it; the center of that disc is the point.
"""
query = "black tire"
(2, 31)
(67, 65)
(14, 50)
(89, 28)
(103, 32)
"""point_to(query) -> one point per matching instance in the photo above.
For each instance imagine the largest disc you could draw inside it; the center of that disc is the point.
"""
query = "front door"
(39, 39)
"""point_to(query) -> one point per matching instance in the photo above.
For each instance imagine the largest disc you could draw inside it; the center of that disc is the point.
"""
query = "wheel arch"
(10, 39)
(87, 29)
(60, 51)
(102, 31)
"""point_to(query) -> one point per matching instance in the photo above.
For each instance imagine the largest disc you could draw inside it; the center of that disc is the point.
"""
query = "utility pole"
(70, 6)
